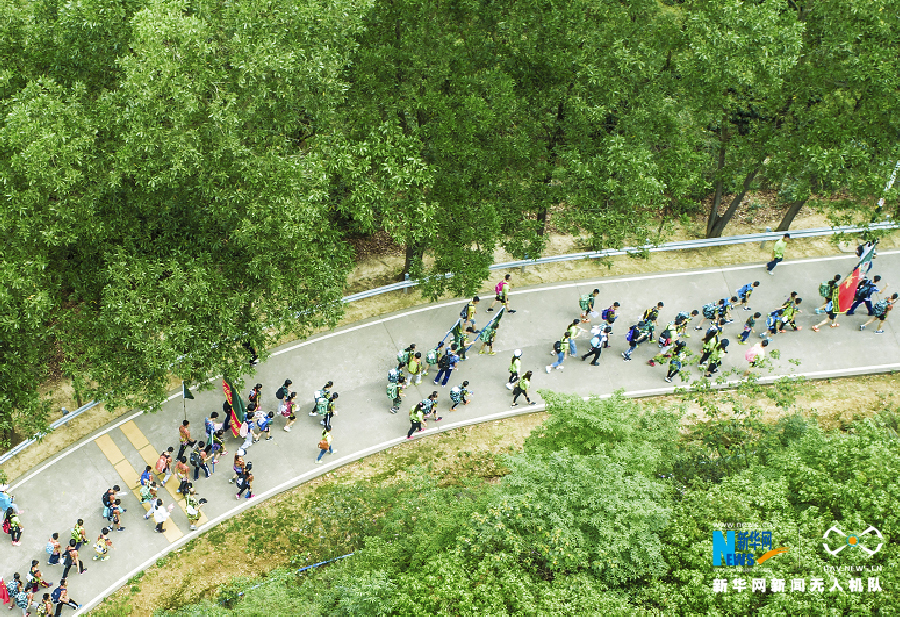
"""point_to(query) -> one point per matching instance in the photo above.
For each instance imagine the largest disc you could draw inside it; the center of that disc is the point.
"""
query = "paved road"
(357, 358)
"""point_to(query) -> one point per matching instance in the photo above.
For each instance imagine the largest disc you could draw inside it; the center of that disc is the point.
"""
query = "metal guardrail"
(53, 426)
(677, 245)
(650, 248)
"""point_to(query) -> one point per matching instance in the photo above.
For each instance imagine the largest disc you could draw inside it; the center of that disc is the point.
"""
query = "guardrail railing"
(611, 252)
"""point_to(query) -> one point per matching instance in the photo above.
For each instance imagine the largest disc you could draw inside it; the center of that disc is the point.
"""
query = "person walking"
(239, 465)
(286, 409)
(521, 389)
(13, 526)
(515, 366)
(777, 254)
(679, 351)
(755, 355)
(749, 324)
(325, 444)
(201, 455)
(637, 334)
(102, 546)
(285, 389)
(164, 465)
(487, 335)
(416, 421)
(501, 294)
(429, 406)
(651, 315)
(254, 397)
(218, 445)
(182, 473)
(325, 392)
(682, 321)
(211, 424)
(60, 595)
(148, 494)
(192, 508)
(467, 314)
(826, 290)
(70, 559)
(160, 515)
(559, 348)
(573, 330)
(744, 292)
(395, 392)
(117, 512)
(864, 292)
(458, 395)
(598, 341)
(45, 607)
(610, 314)
(415, 368)
(448, 362)
(79, 534)
(184, 438)
(832, 305)
(715, 357)
(586, 304)
(329, 411)
(710, 312)
(265, 423)
(881, 310)
(54, 550)
(245, 483)
(433, 356)
(789, 314)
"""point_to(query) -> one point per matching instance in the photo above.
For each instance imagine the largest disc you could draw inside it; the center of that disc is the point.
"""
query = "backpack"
(431, 356)
(50, 548)
(750, 356)
(280, 393)
(584, 302)
(67, 560)
(465, 311)
(709, 311)
(498, 288)
(455, 394)
(444, 362)
(402, 356)
(604, 314)
(195, 458)
(486, 334)
(683, 315)
(56, 594)
(393, 376)
(245, 430)
(881, 308)
(596, 342)
(866, 288)
(391, 390)
(323, 444)
(825, 289)
(557, 346)
(651, 314)
(322, 405)
(631, 334)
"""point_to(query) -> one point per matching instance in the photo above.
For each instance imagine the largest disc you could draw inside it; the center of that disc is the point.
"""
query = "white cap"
(240, 452)
(518, 352)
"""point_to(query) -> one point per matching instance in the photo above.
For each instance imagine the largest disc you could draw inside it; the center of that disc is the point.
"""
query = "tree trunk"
(720, 165)
(553, 141)
(414, 252)
(792, 211)
(723, 220)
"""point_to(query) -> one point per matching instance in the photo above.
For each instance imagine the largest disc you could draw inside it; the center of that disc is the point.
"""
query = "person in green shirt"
(715, 358)
(586, 304)
(501, 294)
(777, 254)
(832, 307)
(521, 389)
(487, 338)
(416, 420)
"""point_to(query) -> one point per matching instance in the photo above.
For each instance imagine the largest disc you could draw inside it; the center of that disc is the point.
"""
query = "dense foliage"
(587, 521)
(182, 179)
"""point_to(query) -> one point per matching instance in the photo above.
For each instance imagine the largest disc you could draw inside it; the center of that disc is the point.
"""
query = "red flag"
(847, 291)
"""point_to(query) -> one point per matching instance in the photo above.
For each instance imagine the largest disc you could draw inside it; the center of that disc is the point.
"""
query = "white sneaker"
(560, 367)
(548, 369)
(312, 414)
(287, 429)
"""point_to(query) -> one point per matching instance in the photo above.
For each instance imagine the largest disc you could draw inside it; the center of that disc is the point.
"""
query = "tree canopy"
(182, 179)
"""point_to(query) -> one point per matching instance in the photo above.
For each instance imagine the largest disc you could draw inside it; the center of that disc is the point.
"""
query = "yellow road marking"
(130, 477)
(109, 449)
(134, 435)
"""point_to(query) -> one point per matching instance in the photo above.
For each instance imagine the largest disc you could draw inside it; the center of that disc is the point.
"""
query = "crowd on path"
(195, 455)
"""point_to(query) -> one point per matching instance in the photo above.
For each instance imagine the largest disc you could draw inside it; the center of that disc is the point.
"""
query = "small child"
(458, 395)
(102, 546)
(265, 425)
(748, 328)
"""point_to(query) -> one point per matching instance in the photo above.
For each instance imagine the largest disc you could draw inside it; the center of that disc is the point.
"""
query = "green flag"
(185, 391)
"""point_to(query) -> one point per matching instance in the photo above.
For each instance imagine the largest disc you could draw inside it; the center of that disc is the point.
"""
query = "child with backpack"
(677, 360)
(826, 291)
(832, 304)
(416, 420)
(710, 313)
(467, 314)
(433, 356)
(864, 292)
(446, 364)
(404, 355)
(415, 368)
(724, 309)
(598, 342)
(501, 294)
(559, 348)
(748, 328)
(102, 546)
(744, 292)
(521, 389)
(881, 310)
(755, 355)
(394, 392)
(586, 304)
(682, 321)
(788, 315)
(573, 330)
(637, 334)
(282, 392)
(715, 358)
(487, 338)
(286, 409)
(429, 407)
(609, 314)
(515, 366)
(329, 410)
(326, 389)
(652, 313)
(458, 395)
